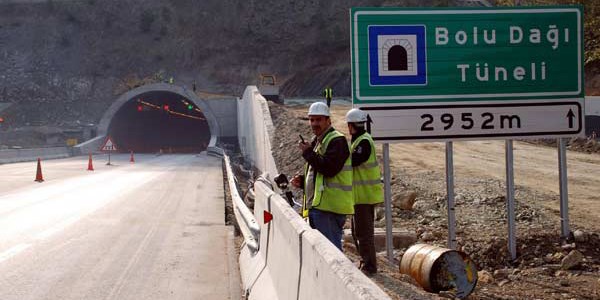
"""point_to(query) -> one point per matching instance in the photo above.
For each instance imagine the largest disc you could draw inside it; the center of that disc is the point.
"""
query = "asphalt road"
(149, 230)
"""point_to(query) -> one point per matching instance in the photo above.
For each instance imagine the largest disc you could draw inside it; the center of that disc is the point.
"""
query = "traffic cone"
(38, 175)
(90, 165)
(131, 160)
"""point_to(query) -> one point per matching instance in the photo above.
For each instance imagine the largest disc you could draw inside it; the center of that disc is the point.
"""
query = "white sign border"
(475, 11)
(491, 136)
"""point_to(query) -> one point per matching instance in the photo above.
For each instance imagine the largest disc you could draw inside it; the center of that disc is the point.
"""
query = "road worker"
(366, 186)
(327, 179)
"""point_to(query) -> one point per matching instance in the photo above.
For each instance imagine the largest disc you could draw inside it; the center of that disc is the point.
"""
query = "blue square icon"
(397, 55)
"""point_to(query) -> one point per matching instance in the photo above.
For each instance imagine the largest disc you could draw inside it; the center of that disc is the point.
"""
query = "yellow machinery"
(269, 89)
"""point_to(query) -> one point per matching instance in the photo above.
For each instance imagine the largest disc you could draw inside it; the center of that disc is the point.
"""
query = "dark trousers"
(364, 215)
(329, 224)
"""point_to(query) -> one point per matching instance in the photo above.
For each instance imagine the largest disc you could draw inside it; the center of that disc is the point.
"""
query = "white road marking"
(46, 212)
(13, 251)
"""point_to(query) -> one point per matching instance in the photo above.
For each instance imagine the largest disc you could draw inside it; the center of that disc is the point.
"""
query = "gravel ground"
(539, 272)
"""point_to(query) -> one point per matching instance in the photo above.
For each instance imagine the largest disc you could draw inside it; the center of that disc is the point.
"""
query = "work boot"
(368, 269)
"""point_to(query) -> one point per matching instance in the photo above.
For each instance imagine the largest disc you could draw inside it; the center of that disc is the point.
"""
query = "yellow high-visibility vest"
(332, 194)
(366, 177)
(328, 93)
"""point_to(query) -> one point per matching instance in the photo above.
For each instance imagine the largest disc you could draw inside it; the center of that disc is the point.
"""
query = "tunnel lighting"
(149, 104)
(186, 116)
(166, 108)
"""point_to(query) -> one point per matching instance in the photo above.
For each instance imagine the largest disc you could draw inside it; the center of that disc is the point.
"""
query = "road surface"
(149, 230)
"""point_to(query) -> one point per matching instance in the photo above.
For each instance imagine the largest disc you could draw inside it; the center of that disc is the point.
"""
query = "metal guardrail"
(245, 218)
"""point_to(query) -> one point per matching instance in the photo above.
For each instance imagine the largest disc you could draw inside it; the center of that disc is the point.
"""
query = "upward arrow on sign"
(571, 116)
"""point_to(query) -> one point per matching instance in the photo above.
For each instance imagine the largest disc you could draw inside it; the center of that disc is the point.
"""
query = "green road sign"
(458, 57)
(476, 54)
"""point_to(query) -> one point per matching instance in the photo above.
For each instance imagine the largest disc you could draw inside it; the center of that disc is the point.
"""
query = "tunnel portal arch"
(132, 95)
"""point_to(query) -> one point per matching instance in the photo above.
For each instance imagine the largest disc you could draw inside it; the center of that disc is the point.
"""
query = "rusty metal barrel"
(440, 269)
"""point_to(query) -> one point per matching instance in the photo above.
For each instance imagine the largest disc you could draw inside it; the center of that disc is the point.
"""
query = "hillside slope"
(66, 61)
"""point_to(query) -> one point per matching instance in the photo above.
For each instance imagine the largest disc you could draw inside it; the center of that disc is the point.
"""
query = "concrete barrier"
(329, 274)
(255, 128)
(592, 105)
(257, 282)
(295, 261)
(284, 246)
(21, 155)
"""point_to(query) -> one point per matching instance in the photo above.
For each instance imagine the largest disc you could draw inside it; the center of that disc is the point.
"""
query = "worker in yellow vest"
(327, 178)
(328, 94)
(366, 186)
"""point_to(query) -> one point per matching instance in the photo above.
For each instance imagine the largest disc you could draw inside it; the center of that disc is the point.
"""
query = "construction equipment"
(282, 183)
(269, 89)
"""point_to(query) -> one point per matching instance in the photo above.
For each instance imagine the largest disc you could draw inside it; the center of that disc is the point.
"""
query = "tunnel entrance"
(159, 121)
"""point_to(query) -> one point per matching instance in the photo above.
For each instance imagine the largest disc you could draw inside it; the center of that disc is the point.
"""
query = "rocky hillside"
(66, 61)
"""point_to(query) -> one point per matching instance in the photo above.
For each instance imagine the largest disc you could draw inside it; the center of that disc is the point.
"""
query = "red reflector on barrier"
(267, 216)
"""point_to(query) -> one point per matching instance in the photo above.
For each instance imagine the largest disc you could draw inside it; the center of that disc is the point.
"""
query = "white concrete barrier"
(255, 128)
(257, 282)
(329, 274)
(20, 155)
(293, 260)
(592, 105)
(297, 262)
(284, 246)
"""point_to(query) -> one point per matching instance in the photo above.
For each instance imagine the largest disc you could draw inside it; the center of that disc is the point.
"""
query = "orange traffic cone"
(38, 175)
(90, 165)
(131, 160)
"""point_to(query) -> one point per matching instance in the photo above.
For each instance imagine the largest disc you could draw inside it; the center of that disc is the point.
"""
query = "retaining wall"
(19, 155)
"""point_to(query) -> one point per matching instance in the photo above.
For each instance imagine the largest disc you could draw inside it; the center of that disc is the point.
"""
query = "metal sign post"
(510, 199)
(447, 74)
(450, 195)
(109, 147)
(389, 242)
(564, 191)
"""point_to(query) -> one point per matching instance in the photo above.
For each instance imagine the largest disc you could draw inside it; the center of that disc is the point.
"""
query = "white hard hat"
(318, 109)
(356, 115)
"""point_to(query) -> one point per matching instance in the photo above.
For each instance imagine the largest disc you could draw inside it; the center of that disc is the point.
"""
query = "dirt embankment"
(539, 270)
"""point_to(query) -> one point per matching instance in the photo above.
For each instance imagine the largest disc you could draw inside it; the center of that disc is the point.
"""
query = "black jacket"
(333, 161)
(362, 151)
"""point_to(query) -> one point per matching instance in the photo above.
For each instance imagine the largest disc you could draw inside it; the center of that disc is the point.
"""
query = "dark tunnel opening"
(159, 121)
